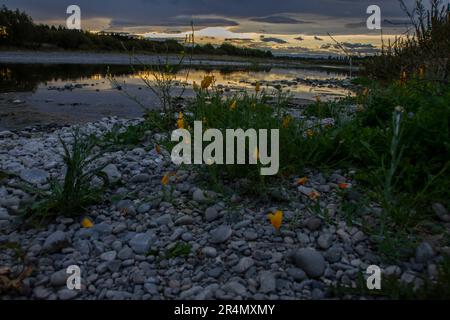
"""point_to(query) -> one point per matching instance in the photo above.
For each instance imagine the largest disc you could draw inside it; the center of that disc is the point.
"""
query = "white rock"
(112, 172)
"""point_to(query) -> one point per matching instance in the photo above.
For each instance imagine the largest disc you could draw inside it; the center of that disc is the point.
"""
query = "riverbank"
(147, 241)
(81, 57)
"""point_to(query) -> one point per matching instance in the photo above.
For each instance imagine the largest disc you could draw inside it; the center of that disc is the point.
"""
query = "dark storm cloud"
(158, 12)
(279, 20)
(275, 40)
(177, 22)
(386, 24)
(363, 48)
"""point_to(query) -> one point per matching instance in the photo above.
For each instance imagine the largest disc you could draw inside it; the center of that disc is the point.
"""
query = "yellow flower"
(276, 219)
(233, 105)
(180, 121)
(165, 180)
(87, 223)
(286, 121)
(195, 86)
(314, 195)
(318, 100)
(302, 181)
(309, 133)
(207, 81)
(257, 87)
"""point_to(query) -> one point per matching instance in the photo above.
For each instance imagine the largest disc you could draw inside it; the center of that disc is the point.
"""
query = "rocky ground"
(134, 250)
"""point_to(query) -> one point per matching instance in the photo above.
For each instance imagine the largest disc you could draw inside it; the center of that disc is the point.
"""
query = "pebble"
(221, 234)
(184, 221)
(310, 261)
(267, 282)
(235, 287)
(324, 241)
(141, 178)
(108, 256)
(211, 214)
(55, 242)
(66, 294)
(34, 176)
(441, 212)
(141, 242)
(298, 274)
(59, 278)
(241, 257)
(313, 224)
(244, 264)
(250, 235)
(424, 252)
(199, 196)
(112, 173)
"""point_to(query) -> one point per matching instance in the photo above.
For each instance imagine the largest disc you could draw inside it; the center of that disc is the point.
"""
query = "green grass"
(76, 192)
(178, 249)
(424, 54)
(255, 111)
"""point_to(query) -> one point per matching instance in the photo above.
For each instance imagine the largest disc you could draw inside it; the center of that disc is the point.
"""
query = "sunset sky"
(283, 26)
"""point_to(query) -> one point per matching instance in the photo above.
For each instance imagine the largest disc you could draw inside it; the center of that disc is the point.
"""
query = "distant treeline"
(18, 30)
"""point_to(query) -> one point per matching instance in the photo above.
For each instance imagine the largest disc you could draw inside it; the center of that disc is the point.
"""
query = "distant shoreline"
(81, 57)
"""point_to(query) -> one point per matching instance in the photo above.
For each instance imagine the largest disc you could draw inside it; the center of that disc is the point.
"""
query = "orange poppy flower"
(87, 223)
(165, 180)
(314, 195)
(344, 186)
(276, 219)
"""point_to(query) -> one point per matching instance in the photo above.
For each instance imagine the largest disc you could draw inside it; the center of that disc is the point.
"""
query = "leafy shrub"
(425, 54)
(251, 111)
